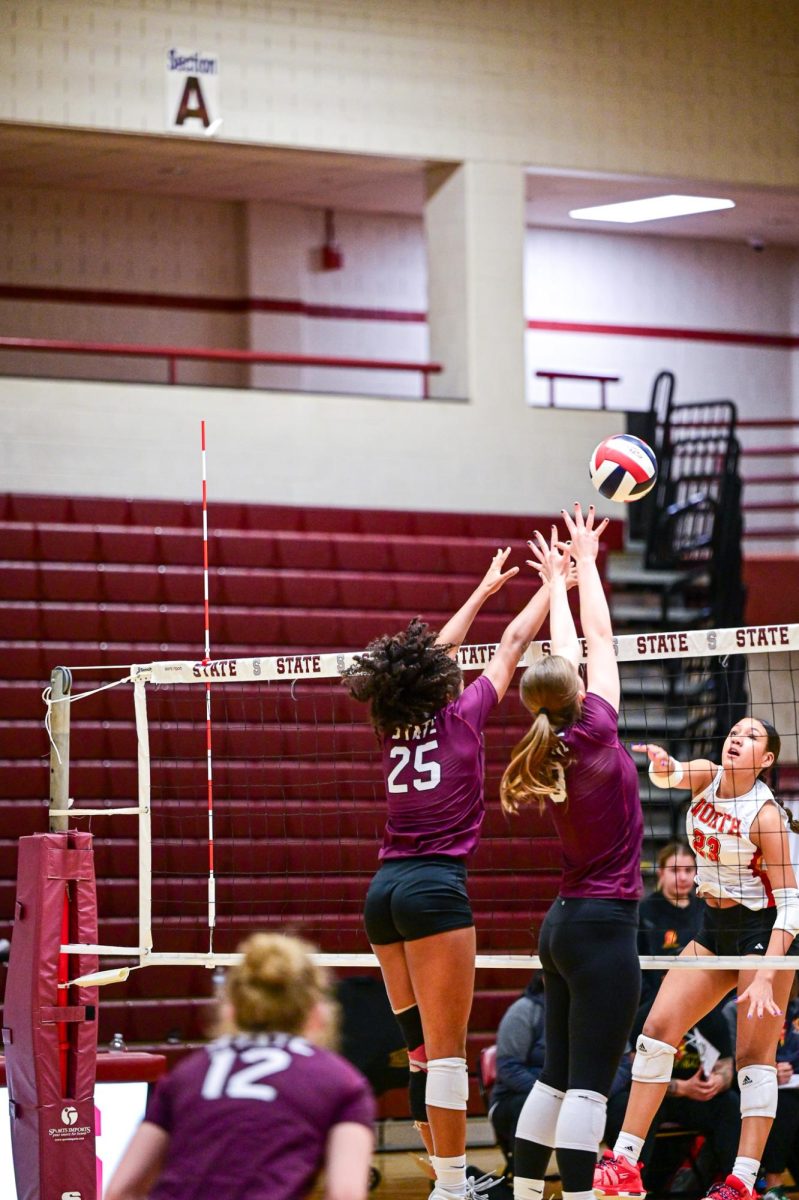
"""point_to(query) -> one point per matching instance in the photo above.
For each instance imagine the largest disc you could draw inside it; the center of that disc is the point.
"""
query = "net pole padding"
(59, 714)
(145, 821)
(51, 1077)
(284, 668)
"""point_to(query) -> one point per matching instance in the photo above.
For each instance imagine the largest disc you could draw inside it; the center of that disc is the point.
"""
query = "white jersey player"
(739, 834)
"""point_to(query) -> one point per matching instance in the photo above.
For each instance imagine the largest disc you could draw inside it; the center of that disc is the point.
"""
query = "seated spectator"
(782, 1148)
(699, 1097)
(520, 1057)
(669, 917)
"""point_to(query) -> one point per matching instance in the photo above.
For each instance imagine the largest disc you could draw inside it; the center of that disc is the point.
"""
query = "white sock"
(450, 1173)
(527, 1189)
(629, 1146)
(746, 1169)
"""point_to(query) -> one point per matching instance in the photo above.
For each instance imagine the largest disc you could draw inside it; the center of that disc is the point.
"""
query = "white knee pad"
(581, 1122)
(759, 1092)
(539, 1118)
(653, 1060)
(447, 1083)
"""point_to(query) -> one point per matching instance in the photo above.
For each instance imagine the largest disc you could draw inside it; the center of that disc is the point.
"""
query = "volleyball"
(623, 468)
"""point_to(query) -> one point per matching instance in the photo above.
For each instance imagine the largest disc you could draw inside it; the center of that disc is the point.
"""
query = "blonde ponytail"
(536, 768)
(276, 986)
(551, 691)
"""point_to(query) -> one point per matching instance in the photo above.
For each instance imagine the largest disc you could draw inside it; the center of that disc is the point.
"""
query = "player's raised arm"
(457, 627)
(666, 772)
(603, 669)
(557, 575)
(554, 565)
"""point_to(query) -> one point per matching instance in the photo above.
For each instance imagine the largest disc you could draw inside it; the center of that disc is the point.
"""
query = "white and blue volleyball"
(623, 468)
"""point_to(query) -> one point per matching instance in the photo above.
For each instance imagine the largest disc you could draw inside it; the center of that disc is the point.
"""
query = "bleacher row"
(88, 581)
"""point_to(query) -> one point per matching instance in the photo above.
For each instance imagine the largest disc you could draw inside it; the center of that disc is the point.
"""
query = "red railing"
(172, 355)
(602, 380)
(786, 450)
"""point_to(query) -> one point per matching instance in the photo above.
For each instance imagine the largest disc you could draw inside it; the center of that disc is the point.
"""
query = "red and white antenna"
(207, 659)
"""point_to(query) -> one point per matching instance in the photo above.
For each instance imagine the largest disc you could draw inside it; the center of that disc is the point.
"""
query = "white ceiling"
(36, 156)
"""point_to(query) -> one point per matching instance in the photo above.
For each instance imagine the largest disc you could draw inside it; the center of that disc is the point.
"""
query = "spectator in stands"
(782, 1148)
(670, 916)
(520, 1057)
(699, 1095)
(263, 1109)
(417, 912)
(572, 762)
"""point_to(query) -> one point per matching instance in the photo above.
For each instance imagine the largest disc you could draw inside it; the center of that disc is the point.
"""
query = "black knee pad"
(416, 1090)
(410, 1022)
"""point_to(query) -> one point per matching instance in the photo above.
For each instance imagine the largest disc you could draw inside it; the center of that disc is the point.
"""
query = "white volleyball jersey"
(728, 863)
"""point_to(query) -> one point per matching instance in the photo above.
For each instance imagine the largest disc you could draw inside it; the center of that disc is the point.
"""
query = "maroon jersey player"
(417, 913)
(572, 761)
(258, 1113)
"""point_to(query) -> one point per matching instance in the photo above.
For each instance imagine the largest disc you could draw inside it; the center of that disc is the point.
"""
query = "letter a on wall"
(192, 92)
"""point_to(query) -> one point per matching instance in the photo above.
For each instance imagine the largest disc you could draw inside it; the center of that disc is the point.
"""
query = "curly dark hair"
(404, 677)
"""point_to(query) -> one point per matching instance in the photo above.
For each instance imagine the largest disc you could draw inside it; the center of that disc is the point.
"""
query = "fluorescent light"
(628, 212)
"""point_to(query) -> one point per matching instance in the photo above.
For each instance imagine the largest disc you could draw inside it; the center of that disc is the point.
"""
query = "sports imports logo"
(71, 1196)
(69, 1115)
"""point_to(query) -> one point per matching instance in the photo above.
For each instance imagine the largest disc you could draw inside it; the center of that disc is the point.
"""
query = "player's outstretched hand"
(759, 998)
(584, 538)
(657, 755)
(495, 577)
(550, 560)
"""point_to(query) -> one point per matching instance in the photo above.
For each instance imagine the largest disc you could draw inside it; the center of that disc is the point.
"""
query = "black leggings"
(588, 949)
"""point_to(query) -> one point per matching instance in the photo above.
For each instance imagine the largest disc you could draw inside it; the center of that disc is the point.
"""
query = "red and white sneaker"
(731, 1189)
(615, 1175)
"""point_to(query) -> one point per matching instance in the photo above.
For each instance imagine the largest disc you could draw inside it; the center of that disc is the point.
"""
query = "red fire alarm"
(331, 257)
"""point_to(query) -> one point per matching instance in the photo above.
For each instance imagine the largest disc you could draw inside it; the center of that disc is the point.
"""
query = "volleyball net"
(242, 794)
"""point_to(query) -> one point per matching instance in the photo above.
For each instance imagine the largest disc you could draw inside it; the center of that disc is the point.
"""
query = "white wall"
(113, 242)
(432, 455)
(666, 283)
(701, 90)
(267, 447)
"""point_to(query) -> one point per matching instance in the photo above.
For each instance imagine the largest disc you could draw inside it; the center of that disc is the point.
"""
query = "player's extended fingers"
(600, 529)
(539, 549)
(568, 522)
(511, 571)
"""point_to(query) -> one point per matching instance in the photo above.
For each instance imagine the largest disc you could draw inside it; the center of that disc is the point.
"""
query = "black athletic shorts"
(737, 930)
(412, 898)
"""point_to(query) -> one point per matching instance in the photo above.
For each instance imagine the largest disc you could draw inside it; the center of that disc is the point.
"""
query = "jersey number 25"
(426, 772)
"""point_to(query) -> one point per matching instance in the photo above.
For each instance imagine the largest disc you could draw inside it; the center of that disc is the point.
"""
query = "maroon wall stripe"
(338, 312)
(774, 341)
(225, 304)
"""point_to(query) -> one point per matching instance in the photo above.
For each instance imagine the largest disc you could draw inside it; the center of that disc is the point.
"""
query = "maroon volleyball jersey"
(248, 1118)
(435, 778)
(601, 825)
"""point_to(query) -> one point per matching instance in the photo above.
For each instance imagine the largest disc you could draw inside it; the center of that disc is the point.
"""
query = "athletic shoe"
(777, 1192)
(731, 1189)
(614, 1175)
(475, 1189)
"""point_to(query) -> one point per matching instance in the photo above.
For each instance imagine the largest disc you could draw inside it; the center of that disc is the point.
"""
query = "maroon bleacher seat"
(298, 813)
